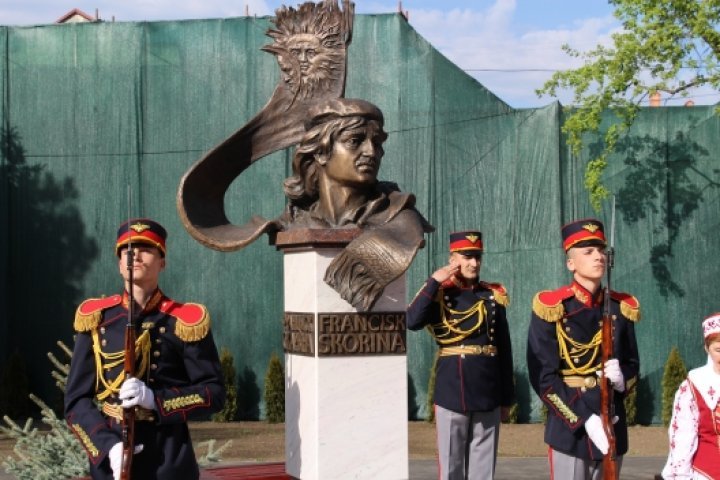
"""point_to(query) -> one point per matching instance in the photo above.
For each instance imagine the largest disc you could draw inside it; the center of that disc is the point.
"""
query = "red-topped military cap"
(582, 233)
(466, 242)
(141, 230)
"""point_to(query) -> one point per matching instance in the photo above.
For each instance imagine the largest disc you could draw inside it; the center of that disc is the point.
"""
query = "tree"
(669, 46)
(227, 366)
(275, 390)
(674, 374)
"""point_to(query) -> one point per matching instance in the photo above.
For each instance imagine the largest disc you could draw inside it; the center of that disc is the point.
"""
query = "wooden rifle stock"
(606, 398)
(607, 395)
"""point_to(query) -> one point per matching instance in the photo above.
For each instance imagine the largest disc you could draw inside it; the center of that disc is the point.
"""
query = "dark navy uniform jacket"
(570, 317)
(468, 383)
(177, 359)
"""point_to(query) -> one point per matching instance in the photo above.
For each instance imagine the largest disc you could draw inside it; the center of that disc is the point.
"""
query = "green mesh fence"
(88, 109)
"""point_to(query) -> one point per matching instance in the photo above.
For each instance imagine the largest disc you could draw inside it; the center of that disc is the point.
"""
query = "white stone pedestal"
(345, 409)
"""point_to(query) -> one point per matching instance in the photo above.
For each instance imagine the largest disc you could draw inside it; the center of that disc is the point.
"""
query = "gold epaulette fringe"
(549, 313)
(501, 297)
(86, 322)
(196, 331)
(629, 312)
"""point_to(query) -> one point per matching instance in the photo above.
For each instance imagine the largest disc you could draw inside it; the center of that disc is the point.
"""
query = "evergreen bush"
(631, 406)
(275, 390)
(227, 365)
(54, 453)
(674, 374)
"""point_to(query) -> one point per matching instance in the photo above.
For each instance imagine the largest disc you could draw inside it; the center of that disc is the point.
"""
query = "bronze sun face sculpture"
(335, 166)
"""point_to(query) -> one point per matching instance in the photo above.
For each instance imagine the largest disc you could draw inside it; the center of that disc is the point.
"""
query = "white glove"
(614, 374)
(596, 432)
(134, 392)
(115, 457)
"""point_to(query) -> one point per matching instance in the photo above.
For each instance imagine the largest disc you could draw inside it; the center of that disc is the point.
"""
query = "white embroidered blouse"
(683, 430)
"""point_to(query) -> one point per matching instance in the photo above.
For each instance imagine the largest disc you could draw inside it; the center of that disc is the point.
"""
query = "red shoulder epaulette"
(193, 319)
(88, 314)
(548, 305)
(629, 305)
(499, 292)
(449, 283)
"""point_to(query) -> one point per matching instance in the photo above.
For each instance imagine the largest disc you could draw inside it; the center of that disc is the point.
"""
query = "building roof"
(75, 16)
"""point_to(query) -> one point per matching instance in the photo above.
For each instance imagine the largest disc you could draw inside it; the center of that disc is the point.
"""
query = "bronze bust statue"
(335, 185)
(335, 166)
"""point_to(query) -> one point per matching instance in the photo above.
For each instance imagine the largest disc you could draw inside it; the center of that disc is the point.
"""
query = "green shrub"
(674, 374)
(631, 405)
(227, 365)
(275, 391)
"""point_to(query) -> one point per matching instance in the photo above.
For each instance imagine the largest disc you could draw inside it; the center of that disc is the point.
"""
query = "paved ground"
(511, 468)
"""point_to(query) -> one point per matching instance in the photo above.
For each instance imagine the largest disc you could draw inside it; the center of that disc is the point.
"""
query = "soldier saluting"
(474, 378)
(564, 357)
(177, 374)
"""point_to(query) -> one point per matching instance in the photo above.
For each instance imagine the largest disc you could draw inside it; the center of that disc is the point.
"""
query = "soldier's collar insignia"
(590, 227)
(472, 238)
(139, 227)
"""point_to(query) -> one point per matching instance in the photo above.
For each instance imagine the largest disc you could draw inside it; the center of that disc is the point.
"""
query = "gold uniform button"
(153, 366)
(158, 341)
(104, 342)
(102, 330)
(156, 353)
(162, 329)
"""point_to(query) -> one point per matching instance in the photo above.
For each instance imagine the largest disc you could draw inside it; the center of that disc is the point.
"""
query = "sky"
(510, 46)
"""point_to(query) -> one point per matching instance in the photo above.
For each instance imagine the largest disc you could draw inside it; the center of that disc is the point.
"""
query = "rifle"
(607, 407)
(128, 420)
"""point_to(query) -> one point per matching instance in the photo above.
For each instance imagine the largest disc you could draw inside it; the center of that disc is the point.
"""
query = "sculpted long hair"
(302, 187)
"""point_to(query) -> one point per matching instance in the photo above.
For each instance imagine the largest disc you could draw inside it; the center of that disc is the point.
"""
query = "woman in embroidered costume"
(695, 426)
(177, 375)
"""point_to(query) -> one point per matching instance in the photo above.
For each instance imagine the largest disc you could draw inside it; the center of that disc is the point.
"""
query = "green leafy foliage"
(227, 365)
(275, 391)
(674, 374)
(668, 46)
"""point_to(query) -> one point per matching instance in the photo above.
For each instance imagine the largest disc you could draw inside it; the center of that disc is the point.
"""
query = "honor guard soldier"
(564, 357)
(177, 375)
(474, 385)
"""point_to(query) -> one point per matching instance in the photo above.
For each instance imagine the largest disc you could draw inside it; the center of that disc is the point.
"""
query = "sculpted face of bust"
(356, 155)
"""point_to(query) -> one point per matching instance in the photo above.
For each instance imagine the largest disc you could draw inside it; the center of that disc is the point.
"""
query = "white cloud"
(487, 40)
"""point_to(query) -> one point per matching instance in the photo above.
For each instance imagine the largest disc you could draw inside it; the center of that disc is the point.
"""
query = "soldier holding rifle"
(177, 371)
(564, 360)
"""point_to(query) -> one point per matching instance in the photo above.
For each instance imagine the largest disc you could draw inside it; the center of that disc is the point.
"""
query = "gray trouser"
(567, 467)
(467, 444)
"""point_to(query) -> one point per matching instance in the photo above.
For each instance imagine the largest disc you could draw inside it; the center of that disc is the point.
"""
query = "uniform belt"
(116, 411)
(579, 381)
(489, 350)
